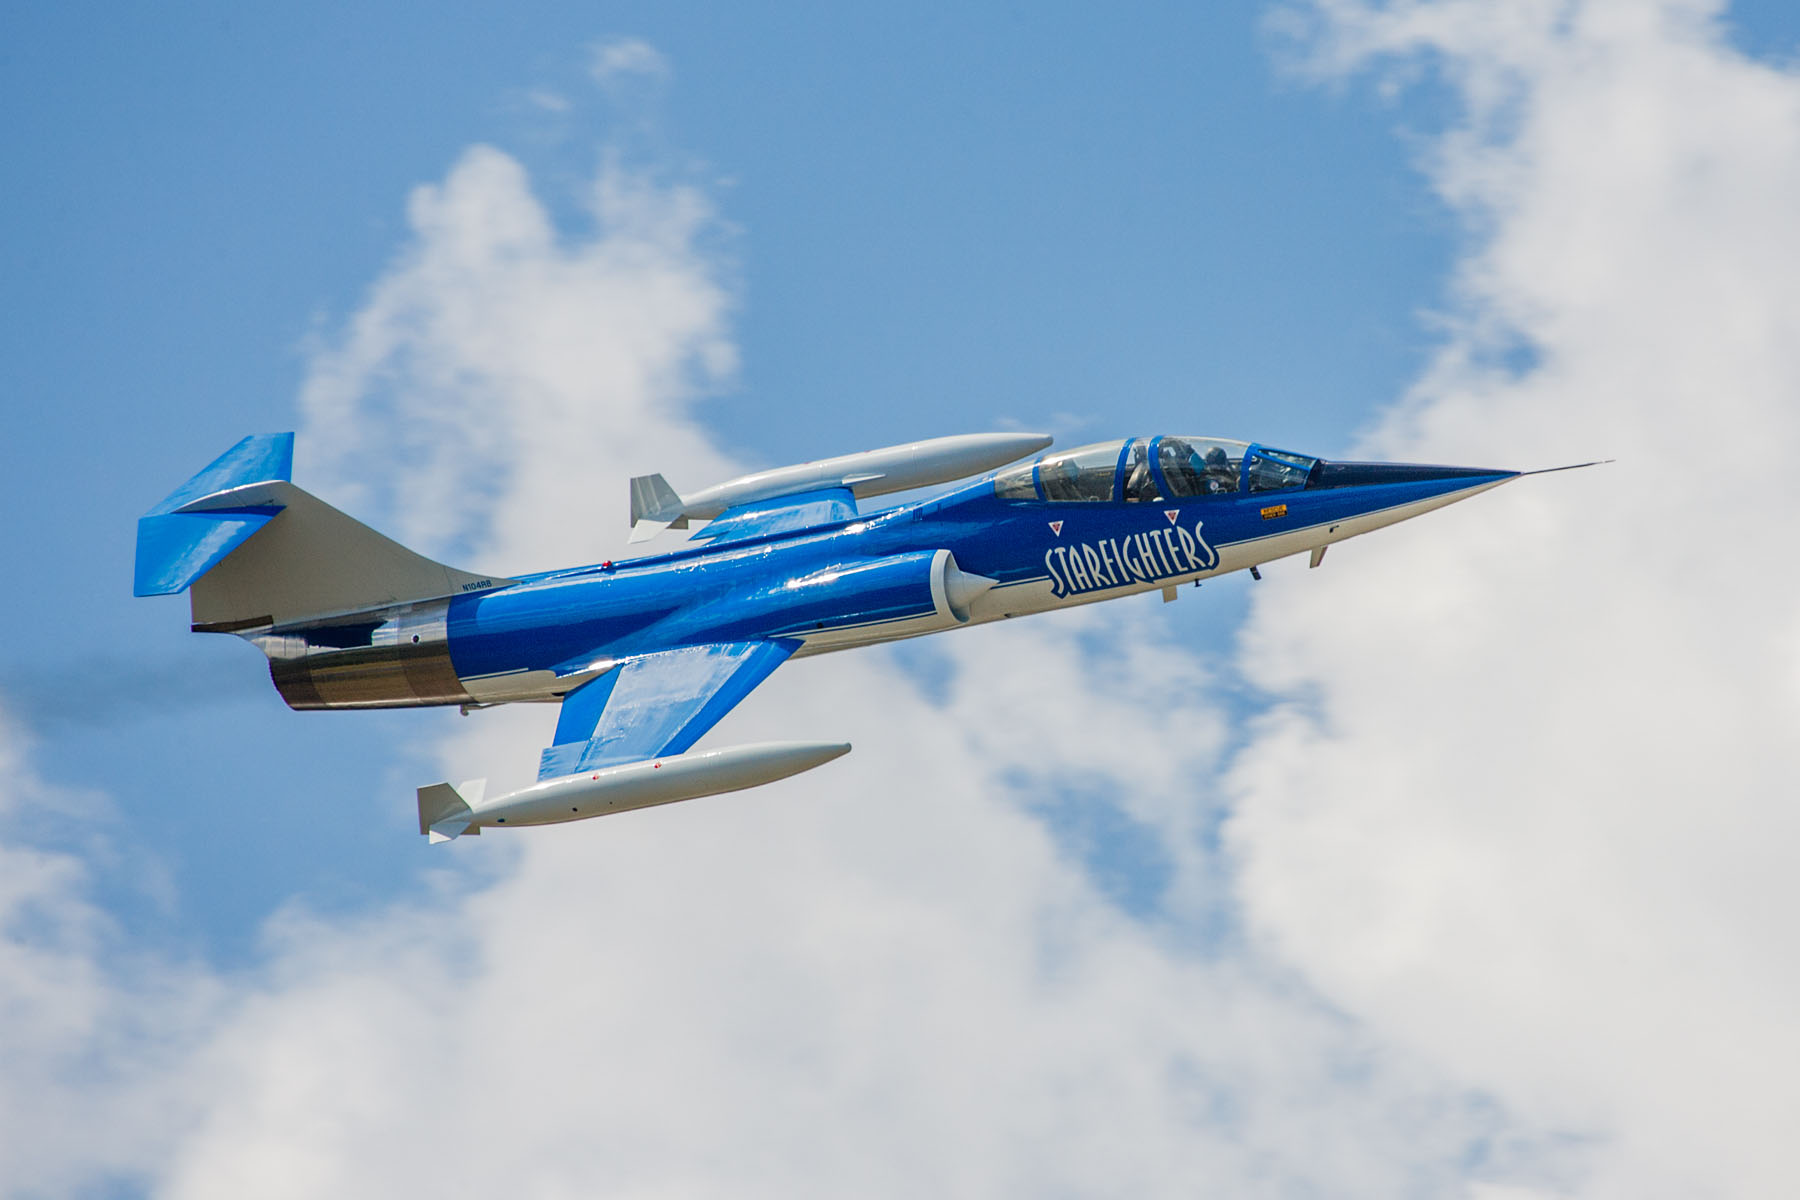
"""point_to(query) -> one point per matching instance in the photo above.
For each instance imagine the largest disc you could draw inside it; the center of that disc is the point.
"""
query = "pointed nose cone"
(1354, 498)
(1353, 474)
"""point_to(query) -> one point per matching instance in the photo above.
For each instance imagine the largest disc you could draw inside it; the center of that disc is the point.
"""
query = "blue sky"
(930, 220)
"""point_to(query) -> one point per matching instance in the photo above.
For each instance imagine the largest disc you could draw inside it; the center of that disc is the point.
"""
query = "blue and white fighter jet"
(645, 655)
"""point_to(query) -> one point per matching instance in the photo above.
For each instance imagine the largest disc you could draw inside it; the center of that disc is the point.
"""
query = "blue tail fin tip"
(259, 458)
(175, 548)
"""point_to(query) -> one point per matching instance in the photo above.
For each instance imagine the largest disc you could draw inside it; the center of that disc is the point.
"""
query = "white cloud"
(91, 1034)
(547, 101)
(509, 371)
(840, 987)
(1532, 817)
(621, 58)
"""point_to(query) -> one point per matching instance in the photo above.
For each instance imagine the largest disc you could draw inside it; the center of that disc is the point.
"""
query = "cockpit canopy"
(1154, 469)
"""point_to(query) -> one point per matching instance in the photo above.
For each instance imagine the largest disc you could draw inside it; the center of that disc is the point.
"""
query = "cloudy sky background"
(1458, 867)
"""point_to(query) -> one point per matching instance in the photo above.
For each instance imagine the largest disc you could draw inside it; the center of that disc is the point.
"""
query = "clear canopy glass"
(1084, 473)
(1198, 466)
(1151, 469)
(1272, 470)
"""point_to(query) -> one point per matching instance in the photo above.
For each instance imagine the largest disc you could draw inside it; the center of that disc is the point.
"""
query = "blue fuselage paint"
(868, 579)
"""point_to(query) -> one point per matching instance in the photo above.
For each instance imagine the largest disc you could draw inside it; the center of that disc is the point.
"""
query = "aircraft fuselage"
(872, 578)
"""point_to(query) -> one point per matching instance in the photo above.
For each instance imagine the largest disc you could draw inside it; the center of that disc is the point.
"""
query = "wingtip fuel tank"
(656, 506)
(446, 812)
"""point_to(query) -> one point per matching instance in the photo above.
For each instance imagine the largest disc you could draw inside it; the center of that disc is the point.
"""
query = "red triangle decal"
(1171, 513)
(1056, 528)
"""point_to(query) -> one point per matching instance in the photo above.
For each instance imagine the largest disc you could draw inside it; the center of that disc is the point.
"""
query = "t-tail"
(264, 559)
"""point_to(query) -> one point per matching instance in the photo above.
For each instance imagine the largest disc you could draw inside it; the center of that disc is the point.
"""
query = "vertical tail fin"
(254, 550)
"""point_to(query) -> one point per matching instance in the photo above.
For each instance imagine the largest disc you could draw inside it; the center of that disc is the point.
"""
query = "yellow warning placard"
(1273, 511)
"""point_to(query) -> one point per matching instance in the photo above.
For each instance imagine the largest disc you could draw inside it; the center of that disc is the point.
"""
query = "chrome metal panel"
(396, 659)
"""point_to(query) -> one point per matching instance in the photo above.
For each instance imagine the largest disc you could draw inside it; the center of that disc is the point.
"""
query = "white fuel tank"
(446, 812)
(655, 505)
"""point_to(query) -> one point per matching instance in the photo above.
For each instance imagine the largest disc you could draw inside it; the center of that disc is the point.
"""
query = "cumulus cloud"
(1524, 803)
(92, 1035)
(501, 371)
(846, 986)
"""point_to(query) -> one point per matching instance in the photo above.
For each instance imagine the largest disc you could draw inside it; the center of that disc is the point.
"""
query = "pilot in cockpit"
(1220, 474)
(1140, 484)
(1197, 468)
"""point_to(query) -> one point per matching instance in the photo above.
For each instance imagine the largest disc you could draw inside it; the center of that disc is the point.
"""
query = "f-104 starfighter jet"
(645, 655)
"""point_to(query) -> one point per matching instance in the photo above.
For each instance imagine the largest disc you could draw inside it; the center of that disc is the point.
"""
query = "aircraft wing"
(657, 704)
(783, 514)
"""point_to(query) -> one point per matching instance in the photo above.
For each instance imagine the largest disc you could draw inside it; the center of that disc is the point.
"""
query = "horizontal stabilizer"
(176, 545)
(259, 458)
(174, 549)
